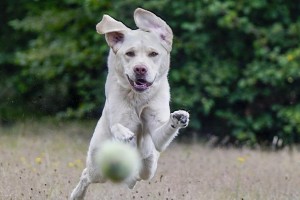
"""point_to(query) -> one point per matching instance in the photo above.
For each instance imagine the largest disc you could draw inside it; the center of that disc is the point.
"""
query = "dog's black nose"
(140, 70)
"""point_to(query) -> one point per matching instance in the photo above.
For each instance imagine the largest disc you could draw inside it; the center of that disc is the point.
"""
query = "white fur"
(142, 119)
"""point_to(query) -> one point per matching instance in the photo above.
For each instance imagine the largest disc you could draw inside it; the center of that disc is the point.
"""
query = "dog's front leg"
(122, 133)
(164, 135)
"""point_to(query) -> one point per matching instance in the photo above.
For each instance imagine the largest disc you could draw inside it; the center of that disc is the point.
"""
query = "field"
(44, 161)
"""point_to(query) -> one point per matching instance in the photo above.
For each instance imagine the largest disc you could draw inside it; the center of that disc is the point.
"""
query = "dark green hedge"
(235, 64)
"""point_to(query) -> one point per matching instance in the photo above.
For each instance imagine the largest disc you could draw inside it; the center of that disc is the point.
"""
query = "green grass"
(44, 161)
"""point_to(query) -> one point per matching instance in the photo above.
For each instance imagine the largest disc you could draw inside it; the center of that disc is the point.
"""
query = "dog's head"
(142, 55)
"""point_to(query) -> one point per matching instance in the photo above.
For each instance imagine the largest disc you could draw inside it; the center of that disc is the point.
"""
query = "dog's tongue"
(141, 82)
(140, 85)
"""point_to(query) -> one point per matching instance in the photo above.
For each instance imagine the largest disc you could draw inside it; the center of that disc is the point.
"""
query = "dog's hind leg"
(149, 166)
(149, 158)
(80, 190)
(147, 171)
(88, 176)
(91, 174)
(131, 182)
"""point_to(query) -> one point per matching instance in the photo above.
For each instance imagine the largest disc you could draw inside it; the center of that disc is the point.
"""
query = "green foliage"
(235, 64)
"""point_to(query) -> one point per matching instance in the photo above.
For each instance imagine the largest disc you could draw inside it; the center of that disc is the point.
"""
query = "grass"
(44, 161)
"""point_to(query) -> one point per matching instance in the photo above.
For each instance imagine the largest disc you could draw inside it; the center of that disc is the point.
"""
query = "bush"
(235, 64)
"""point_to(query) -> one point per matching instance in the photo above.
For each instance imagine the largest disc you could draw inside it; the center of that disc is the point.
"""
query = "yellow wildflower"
(38, 160)
(70, 164)
(241, 159)
(23, 160)
(78, 163)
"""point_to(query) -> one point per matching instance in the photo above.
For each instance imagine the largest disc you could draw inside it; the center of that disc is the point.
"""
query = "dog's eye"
(130, 53)
(153, 54)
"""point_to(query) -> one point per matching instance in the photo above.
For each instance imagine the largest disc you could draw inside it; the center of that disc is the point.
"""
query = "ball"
(117, 161)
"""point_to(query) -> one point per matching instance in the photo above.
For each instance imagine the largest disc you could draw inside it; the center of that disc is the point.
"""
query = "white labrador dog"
(137, 93)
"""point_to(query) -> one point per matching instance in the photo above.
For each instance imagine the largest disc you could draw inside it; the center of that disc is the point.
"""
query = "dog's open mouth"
(140, 84)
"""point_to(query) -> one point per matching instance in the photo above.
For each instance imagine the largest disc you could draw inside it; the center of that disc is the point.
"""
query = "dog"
(137, 94)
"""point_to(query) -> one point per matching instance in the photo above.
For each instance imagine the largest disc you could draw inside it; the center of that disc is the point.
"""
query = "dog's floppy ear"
(114, 31)
(148, 21)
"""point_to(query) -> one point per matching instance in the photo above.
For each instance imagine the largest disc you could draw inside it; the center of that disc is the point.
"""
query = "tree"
(235, 64)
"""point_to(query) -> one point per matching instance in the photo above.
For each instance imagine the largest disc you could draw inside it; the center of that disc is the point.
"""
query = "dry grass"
(44, 161)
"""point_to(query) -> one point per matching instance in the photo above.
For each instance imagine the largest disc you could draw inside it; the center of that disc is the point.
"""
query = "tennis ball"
(117, 161)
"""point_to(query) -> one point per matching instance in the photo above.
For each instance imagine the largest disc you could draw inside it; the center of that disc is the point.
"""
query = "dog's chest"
(128, 110)
(132, 120)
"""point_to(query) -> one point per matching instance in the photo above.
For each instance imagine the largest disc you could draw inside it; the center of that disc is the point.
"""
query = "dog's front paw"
(180, 119)
(122, 133)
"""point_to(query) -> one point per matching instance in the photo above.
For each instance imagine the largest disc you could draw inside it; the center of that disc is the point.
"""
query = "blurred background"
(235, 64)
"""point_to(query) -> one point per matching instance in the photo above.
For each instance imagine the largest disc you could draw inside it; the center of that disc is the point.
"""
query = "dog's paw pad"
(130, 138)
(180, 119)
